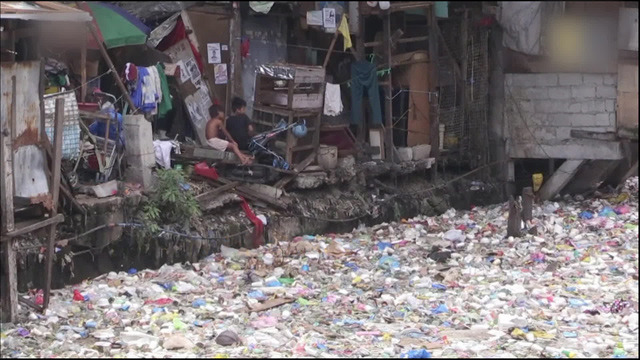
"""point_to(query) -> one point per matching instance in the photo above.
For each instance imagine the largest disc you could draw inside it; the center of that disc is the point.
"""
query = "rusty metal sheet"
(29, 165)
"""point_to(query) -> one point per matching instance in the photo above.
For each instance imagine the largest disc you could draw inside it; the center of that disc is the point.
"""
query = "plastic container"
(328, 157)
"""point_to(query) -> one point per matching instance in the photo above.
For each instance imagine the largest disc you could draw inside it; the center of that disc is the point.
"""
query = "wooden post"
(333, 44)
(83, 71)
(234, 52)
(6, 165)
(389, 89)
(515, 220)
(9, 290)
(107, 59)
(55, 191)
(433, 67)
(527, 204)
(10, 285)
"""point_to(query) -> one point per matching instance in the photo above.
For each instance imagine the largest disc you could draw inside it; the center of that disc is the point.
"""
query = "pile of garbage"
(452, 285)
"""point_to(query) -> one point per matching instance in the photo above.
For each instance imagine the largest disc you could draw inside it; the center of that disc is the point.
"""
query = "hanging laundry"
(332, 100)
(364, 78)
(165, 103)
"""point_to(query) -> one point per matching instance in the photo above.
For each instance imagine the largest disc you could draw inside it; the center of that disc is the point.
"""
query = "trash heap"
(451, 286)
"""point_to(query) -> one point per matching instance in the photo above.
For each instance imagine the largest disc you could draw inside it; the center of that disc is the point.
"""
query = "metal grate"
(464, 111)
(71, 124)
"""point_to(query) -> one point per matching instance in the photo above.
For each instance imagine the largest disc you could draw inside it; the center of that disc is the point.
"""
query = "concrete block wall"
(548, 106)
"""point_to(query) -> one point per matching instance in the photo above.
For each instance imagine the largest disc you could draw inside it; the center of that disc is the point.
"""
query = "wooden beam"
(386, 33)
(55, 191)
(298, 168)
(30, 226)
(399, 41)
(6, 164)
(235, 88)
(114, 72)
(514, 223)
(10, 283)
(83, 71)
(433, 86)
(559, 179)
(527, 203)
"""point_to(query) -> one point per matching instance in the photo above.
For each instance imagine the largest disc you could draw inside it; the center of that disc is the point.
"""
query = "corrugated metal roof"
(41, 10)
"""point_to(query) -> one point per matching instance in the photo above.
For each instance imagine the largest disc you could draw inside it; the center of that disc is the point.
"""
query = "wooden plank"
(297, 168)
(527, 204)
(515, 220)
(6, 165)
(386, 26)
(627, 115)
(83, 71)
(206, 196)
(559, 179)
(627, 77)
(235, 88)
(399, 41)
(10, 284)
(55, 190)
(26, 227)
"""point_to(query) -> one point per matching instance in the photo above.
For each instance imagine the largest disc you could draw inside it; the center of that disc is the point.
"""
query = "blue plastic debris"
(439, 286)
(384, 245)
(274, 283)
(607, 211)
(416, 354)
(441, 309)
(199, 302)
(577, 302)
(570, 334)
(587, 215)
(388, 262)
(90, 324)
(256, 294)
(351, 266)
(305, 267)
(133, 271)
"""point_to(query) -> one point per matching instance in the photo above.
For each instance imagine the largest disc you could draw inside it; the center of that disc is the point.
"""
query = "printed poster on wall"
(197, 115)
(184, 72)
(213, 53)
(220, 71)
(194, 72)
(329, 17)
(314, 17)
(204, 99)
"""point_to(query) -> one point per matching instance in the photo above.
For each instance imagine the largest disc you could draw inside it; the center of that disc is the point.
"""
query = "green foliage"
(169, 203)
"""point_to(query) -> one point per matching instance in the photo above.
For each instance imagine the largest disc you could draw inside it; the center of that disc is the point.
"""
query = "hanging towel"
(165, 104)
(147, 89)
(332, 100)
(364, 79)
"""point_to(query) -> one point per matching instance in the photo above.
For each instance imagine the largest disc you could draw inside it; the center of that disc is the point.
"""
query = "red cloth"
(180, 32)
(203, 169)
(244, 48)
(257, 232)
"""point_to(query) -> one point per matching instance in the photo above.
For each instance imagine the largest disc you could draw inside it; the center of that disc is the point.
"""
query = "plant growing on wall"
(171, 202)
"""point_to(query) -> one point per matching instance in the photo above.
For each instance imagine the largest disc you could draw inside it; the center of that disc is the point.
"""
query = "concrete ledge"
(578, 149)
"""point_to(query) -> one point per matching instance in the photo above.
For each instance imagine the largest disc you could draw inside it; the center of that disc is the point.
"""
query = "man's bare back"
(213, 128)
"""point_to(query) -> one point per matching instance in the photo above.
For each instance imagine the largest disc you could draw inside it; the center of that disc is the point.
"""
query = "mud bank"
(329, 209)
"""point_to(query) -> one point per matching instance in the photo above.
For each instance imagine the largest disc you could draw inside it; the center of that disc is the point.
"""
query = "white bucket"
(328, 157)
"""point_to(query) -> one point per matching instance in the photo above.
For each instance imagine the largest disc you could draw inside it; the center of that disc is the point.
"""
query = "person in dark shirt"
(239, 124)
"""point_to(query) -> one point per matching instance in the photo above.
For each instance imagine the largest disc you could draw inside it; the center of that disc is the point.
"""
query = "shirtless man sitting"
(215, 124)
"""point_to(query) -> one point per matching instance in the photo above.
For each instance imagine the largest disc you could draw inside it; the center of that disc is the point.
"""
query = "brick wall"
(550, 105)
